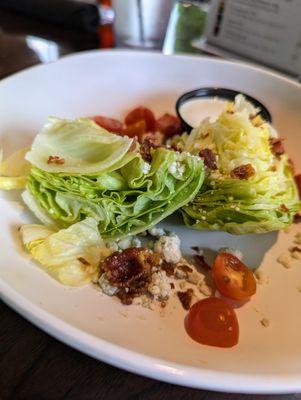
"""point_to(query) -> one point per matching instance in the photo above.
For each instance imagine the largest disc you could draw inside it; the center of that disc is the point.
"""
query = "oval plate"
(266, 360)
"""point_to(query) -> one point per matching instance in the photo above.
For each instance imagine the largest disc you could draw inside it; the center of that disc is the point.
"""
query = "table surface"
(34, 365)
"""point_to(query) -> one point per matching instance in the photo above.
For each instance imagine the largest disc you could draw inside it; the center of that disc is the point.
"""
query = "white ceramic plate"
(266, 360)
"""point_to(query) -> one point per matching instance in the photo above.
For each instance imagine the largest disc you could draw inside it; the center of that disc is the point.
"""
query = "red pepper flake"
(243, 171)
(209, 158)
(55, 160)
(83, 261)
(276, 146)
(185, 298)
(297, 219)
(201, 262)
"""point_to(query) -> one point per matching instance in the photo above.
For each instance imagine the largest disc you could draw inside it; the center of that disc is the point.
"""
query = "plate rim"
(130, 360)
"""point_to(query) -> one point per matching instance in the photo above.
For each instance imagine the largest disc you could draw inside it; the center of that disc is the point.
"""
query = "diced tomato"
(110, 124)
(136, 129)
(213, 322)
(233, 278)
(144, 114)
(298, 183)
(169, 125)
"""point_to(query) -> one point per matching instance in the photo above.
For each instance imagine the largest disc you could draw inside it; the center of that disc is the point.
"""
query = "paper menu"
(268, 31)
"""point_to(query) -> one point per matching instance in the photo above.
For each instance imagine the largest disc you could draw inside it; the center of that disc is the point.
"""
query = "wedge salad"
(99, 186)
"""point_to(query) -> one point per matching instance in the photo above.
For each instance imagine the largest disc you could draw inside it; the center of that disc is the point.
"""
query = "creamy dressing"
(195, 110)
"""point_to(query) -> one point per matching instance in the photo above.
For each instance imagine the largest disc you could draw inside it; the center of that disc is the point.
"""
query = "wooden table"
(33, 365)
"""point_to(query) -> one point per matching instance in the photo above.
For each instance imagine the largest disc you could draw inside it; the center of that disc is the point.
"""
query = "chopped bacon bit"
(168, 267)
(185, 298)
(55, 160)
(209, 158)
(298, 183)
(243, 171)
(276, 146)
(83, 261)
(297, 218)
(148, 142)
(172, 285)
(169, 125)
(296, 248)
(283, 208)
(129, 268)
(200, 262)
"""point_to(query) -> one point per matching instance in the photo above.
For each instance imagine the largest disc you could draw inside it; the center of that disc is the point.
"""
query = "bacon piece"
(201, 262)
(283, 208)
(185, 298)
(297, 219)
(168, 267)
(276, 146)
(149, 141)
(129, 268)
(243, 171)
(55, 160)
(209, 158)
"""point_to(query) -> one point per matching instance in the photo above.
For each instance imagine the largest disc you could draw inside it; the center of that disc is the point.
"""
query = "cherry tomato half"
(137, 129)
(298, 183)
(232, 278)
(169, 125)
(110, 124)
(213, 321)
(141, 114)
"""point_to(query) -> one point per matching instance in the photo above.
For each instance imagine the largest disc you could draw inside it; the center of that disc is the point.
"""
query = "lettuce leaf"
(81, 145)
(125, 196)
(71, 255)
(266, 201)
(14, 170)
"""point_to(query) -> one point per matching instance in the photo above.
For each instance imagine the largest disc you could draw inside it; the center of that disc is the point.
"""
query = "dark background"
(33, 365)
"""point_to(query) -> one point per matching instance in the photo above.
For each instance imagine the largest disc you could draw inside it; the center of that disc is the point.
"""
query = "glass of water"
(141, 23)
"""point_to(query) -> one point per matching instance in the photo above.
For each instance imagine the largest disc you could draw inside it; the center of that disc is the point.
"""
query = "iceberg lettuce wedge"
(266, 201)
(123, 193)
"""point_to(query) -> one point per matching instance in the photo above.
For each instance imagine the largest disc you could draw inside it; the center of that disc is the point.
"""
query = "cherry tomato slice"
(137, 129)
(298, 183)
(232, 278)
(213, 322)
(110, 124)
(169, 125)
(141, 113)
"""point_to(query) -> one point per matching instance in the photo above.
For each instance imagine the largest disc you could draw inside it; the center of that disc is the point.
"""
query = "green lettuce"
(71, 255)
(125, 194)
(267, 201)
(14, 170)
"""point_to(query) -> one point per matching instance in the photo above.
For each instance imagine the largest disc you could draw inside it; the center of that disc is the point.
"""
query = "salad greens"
(79, 170)
(14, 170)
(71, 255)
(264, 202)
